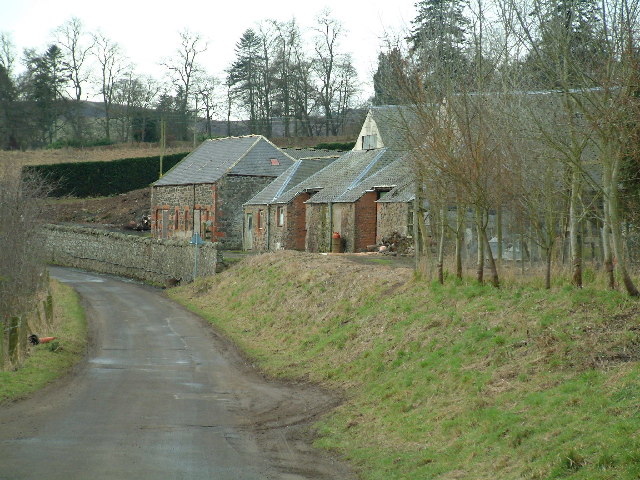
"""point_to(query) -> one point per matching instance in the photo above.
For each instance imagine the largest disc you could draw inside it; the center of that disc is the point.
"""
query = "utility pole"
(195, 123)
(163, 142)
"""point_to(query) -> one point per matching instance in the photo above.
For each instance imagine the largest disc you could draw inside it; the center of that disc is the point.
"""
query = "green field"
(454, 381)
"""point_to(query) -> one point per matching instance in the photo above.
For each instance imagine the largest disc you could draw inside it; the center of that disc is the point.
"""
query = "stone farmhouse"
(204, 193)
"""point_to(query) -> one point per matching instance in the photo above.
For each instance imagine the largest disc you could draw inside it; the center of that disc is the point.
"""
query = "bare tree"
(206, 87)
(184, 68)
(76, 50)
(334, 71)
(112, 64)
(7, 52)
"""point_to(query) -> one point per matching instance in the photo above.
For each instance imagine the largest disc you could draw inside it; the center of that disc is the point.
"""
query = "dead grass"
(91, 154)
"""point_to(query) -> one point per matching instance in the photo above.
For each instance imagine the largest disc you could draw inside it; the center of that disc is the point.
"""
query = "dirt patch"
(115, 212)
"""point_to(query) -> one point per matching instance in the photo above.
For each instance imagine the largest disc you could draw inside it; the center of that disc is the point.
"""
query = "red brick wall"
(295, 221)
(365, 221)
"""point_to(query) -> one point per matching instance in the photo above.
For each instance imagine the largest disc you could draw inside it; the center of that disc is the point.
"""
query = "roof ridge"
(246, 152)
(366, 170)
(277, 147)
(281, 190)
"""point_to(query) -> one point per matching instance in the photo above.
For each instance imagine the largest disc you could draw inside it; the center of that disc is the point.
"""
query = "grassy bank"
(46, 362)
(456, 381)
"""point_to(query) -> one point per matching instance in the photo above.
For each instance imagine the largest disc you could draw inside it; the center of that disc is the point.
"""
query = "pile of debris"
(143, 225)
(394, 244)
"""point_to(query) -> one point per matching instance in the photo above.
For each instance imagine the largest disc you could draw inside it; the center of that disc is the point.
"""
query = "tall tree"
(111, 64)
(244, 78)
(43, 85)
(183, 69)
(8, 94)
(389, 78)
(334, 70)
(75, 48)
(438, 39)
(206, 93)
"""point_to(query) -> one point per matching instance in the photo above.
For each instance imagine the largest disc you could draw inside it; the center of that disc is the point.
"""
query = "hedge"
(98, 179)
(344, 146)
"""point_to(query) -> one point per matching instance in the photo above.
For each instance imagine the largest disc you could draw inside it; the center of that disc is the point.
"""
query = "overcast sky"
(147, 31)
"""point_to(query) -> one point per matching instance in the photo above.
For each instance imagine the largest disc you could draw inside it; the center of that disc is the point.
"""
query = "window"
(260, 219)
(275, 162)
(186, 219)
(176, 220)
(369, 142)
(280, 216)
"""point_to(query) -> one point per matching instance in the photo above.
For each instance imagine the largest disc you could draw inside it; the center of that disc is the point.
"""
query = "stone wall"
(258, 231)
(176, 207)
(393, 217)
(150, 260)
(233, 191)
(183, 204)
(317, 228)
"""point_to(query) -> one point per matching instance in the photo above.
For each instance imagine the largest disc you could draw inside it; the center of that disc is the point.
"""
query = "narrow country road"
(160, 397)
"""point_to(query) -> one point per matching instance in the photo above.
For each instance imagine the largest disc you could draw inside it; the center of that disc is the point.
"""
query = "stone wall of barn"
(179, 210)
(268, 233)
(317, 228)
(393, 217)
(150, 260)
(232, 192)
(179, 206)
(258, 233)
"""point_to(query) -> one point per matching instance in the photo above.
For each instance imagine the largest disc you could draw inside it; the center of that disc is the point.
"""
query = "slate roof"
(306, 153)
(395, 175)
(405, 192)
(395, 124)
(250, 155)
(296, 173)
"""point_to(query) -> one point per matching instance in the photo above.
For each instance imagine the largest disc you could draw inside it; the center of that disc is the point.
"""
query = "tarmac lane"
(160, 396)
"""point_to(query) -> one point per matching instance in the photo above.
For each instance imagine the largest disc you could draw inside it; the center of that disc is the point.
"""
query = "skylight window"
(275, 161)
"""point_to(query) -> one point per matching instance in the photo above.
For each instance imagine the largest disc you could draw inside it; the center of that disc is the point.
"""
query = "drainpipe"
(330, 232)
(268, 233)
(244, 229)
(193, 210)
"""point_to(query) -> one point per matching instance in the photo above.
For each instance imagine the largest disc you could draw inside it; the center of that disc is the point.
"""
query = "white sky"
(147, 30)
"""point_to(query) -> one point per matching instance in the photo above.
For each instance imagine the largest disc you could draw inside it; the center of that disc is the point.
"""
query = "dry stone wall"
(148, 259)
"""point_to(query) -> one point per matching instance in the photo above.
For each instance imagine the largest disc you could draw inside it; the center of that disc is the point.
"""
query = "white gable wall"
(369, 127)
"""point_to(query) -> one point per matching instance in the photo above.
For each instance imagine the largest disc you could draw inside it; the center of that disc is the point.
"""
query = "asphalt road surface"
(160, 396)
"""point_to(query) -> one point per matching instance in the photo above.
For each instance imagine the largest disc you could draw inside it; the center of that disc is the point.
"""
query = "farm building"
(271, 224)
(204, 193)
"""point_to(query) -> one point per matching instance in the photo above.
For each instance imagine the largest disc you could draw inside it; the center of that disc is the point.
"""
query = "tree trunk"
(480, 257)
(616, 234)
(441, 246)
(499, 233)
(547, 273)
(574, 229)
(495, 281)
(606, 228)
(459, 239)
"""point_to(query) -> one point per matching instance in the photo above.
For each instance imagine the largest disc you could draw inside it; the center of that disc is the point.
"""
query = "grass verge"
(43, 364)
(449, 382)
